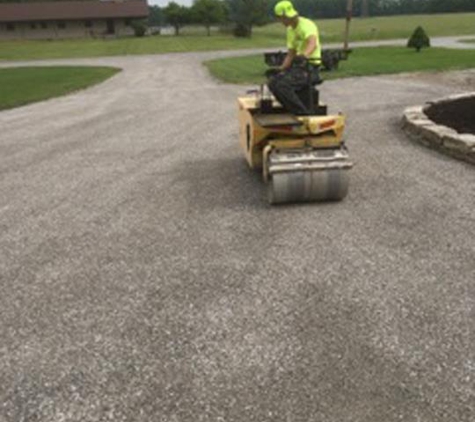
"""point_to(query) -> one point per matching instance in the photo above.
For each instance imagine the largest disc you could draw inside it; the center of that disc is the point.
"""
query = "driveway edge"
(421, 129)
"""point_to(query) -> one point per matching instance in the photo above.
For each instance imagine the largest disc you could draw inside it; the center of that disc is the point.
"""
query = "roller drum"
(308, 186)
(308, 175)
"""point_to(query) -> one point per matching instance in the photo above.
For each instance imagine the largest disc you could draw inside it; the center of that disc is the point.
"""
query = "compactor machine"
(302, 158)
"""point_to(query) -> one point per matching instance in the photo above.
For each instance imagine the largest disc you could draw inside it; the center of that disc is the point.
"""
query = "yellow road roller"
(302, 158)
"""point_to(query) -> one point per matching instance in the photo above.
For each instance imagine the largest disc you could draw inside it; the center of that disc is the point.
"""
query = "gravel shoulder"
(455, 80)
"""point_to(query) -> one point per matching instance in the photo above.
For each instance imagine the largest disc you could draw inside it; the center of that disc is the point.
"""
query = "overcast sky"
(162, 3)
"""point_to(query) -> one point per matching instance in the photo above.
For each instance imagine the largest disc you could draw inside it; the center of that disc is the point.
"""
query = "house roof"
(73, 10)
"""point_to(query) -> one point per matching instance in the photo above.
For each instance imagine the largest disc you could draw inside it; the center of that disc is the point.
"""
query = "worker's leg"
(285, 85)
(306, 93)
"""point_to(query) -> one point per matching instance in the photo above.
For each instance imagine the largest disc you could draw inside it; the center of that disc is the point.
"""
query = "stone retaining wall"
(420, 128)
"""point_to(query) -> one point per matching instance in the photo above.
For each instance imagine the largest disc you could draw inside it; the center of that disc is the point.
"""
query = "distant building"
(70, 19)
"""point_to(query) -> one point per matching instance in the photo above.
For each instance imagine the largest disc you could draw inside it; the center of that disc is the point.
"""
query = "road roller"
(302, 158)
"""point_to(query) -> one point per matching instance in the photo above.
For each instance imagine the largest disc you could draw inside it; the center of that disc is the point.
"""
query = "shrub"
(241, 31)
(139, 28)
(419, 39)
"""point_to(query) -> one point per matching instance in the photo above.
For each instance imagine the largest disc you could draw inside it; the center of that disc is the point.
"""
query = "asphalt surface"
(144, 278)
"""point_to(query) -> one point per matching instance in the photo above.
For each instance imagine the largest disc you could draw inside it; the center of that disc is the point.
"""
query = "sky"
(162, 3)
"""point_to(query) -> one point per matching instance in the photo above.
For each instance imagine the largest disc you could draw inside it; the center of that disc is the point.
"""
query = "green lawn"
(387, 27)
(362, 61)
(24, 85)
(269, 36)
(22, 50)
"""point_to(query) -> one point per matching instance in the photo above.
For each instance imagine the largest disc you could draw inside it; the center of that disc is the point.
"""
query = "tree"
(155, 17)
(177, 16)
(364, 8)
(318, 9)
(419, 39)
(247, 13)
(208, 12)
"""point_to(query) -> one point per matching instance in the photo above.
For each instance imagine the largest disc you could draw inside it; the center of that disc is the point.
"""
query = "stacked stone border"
(420, 128)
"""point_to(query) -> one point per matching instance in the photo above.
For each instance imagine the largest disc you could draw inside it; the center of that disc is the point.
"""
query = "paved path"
(445, 42)
(143, 277)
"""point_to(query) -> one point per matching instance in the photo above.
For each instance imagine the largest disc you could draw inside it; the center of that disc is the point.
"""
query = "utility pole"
(349, 13)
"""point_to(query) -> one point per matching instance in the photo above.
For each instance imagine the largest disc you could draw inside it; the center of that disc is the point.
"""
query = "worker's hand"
(300, 60)
(270, 73)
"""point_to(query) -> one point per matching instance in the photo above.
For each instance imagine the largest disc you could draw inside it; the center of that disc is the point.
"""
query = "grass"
(269, 36)
(387, 27)
(24, 85)
(22, 50)
(470, 41)
(362, 61)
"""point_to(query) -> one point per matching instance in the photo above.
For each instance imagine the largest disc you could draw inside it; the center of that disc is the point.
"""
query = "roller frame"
(301, 158)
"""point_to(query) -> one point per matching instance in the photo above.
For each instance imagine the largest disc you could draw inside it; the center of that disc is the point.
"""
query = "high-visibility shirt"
(297, 38)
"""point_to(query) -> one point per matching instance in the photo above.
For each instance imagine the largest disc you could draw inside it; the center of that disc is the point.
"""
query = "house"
(70, 19)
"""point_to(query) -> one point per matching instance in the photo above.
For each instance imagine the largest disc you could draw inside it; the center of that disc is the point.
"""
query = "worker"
(290, 84)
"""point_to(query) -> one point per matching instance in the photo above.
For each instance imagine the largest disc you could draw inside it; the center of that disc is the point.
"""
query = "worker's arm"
(288, 59)
(311, 45)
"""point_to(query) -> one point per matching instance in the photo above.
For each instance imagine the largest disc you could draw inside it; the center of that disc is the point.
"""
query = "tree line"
(319, 9)
(244, 14)
(337, 8)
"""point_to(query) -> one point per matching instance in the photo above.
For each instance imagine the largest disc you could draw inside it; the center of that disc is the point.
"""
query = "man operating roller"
(290, 83)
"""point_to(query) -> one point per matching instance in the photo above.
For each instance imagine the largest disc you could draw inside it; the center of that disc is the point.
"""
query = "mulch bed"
(458, 114)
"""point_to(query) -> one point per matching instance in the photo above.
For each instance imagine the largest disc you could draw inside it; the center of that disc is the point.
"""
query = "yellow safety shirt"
(297, 38)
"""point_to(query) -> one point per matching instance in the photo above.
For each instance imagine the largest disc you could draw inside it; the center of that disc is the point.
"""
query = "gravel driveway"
(144, 278)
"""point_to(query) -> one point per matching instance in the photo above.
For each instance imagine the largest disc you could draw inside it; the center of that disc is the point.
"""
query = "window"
(33, 25)
(61, 25)
(88, 24)
(10, 26)
(44, 25)
(128, 22)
